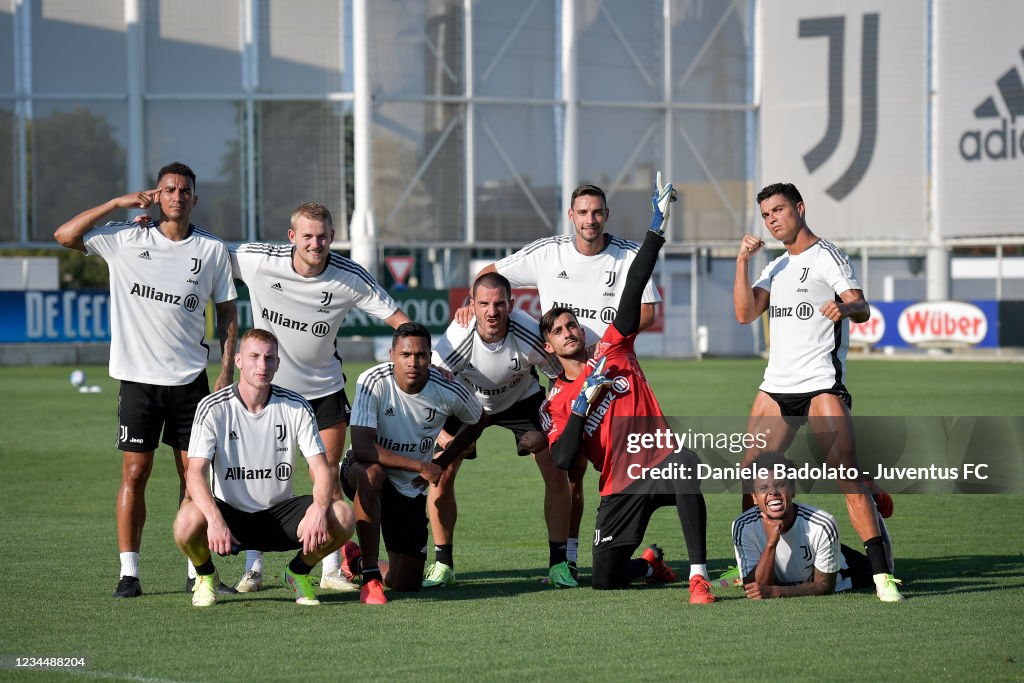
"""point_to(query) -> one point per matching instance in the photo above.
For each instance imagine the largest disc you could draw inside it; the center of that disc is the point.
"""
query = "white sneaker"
(886, 588)
(204, 594)
(250, 582)
(334, 581)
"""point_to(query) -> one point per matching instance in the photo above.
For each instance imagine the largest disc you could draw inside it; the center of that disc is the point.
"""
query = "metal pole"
(134, 62)
(666, 84)
(937, 259)
(250, 81)
(570, 96)
(362, 232)
(470, 77)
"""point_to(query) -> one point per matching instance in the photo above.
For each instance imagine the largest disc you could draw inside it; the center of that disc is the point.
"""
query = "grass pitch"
(960, 557)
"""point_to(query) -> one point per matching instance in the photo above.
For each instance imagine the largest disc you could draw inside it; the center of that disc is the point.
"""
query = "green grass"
(960, 556)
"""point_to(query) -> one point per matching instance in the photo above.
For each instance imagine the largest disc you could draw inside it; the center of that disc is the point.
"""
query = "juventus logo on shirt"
(197, 265)
(326, 300)
(431, 414)
(803, 275)
(123, 436)
(280, 431)
(807, 552)
(515, 363)
(610, 282)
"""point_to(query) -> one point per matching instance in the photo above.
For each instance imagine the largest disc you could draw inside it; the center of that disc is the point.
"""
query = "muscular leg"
(441, 505)
(557, 500)
(830, 421)
(766, 419)
(576, 474)
(340, 525)
(368, 481)
(190, 533)
(334, 444)
(405, 572)
(131, 499)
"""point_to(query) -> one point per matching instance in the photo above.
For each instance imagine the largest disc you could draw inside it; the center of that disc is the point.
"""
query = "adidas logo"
(277, 286)
(390, 412)
(232, 436)
(1003, 141)
(563, 276)
(145, 255)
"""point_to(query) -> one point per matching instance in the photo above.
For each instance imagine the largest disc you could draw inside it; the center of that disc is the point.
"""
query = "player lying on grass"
(810, 293)
(496, 358)
(786, 549)
(250, 434)
(581, 410)
(397, 415)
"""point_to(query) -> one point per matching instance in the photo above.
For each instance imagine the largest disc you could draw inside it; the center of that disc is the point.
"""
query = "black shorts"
(143, 410)
(859, 568)
(622, 521)
(331, 409)
(795, 407)
(520, 418)
(403, 522)
(272, 530)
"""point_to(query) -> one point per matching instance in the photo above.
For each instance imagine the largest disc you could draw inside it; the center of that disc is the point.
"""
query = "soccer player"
(302, 292)
(162, 273)
(810, 293)
(581, 410)
(496, 358)
(399, 410)
(786, 549)
(586, 273)
(249, 434)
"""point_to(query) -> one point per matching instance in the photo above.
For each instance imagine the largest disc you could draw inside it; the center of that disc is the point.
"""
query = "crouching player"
(398, 413)
(249, 434)
(786, 549)
(614, 382)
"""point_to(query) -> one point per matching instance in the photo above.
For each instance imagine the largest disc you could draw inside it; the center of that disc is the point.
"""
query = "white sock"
(332, 563)
(191, 568)
(254, 561)
(698, 570)
(130, 564)
(572, 549)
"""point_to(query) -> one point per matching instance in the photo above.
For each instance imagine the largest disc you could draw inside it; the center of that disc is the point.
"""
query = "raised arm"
(71, 233)
(748, 302)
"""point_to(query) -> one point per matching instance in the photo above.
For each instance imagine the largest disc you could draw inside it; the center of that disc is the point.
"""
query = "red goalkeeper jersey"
(607, 428)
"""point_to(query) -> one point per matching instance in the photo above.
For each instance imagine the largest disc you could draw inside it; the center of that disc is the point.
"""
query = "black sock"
(297, 566)
(556, 553)
(693, 515)
(875, 549)
(443, 554)
(206, 568)
(370, 573)
(638, 568)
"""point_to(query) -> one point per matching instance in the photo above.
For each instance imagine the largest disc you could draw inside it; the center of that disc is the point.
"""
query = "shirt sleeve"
(307, 433)
(367, 401)
(523, 267)
(466, 407)
(651, 294)
(554, 413)
(454, 350)
(837, 269)
(223, 280)
(236, 268)
(748, 550)
(105, 240)
(764, 280)
(826, 551)
(203, 442)
(368, 295)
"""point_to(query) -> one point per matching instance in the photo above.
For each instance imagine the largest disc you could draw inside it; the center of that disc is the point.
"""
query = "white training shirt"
(305, 313)
(812, 542)
(589, 285)
(500, 374)
(254, 454)
(158, 294)
(408, 424)
(808, 351)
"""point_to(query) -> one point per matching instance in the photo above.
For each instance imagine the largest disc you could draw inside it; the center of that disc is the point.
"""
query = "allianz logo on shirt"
(282, 472)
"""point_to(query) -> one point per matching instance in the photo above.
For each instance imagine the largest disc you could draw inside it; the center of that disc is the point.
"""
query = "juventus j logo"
(123, 436)
(807, 552)
(197, 264)
(834, 29)
(280, 431)
(610, 282)
(803, 275)
(431, 414)
(326, 300)
(515, 363)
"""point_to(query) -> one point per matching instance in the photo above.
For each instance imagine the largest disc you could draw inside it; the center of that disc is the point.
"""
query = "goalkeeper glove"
(661, 199)
(593, 387)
